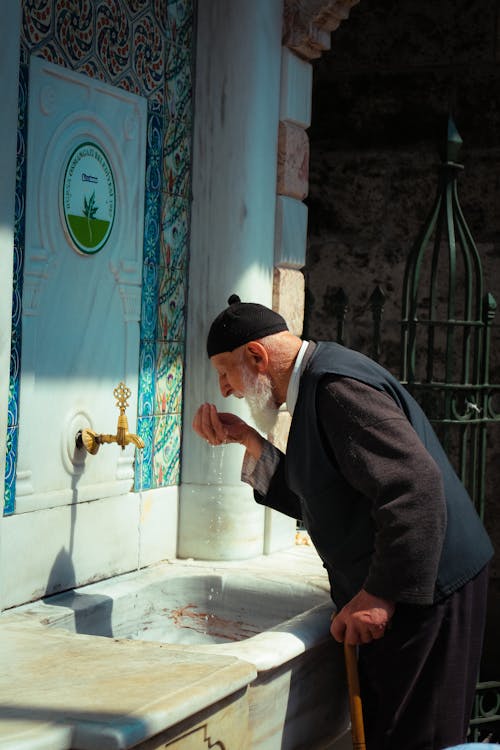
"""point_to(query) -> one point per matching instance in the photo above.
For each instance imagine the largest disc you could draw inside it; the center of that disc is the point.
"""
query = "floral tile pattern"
(10, 470)
(176, 20)
(37, 21)
(177, 157)
(142, 46)
(169, 370)
(148, 303)
(178, 84)
(124, 42)
(74, 27)
(167, 448)
(147, 364)
(15, 355)
(171, 305)
(144, 465)
(114, 37)
(174, 232)
(148, 53)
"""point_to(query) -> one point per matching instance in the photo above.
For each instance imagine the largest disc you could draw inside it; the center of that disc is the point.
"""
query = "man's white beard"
(258, 393)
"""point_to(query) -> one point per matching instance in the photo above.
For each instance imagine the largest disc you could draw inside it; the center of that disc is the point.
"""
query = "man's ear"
(257, 356)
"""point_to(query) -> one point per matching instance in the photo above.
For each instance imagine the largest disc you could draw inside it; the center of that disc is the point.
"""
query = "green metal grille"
(485, 722)
(446, 327)
(446, 331)
(445, 350)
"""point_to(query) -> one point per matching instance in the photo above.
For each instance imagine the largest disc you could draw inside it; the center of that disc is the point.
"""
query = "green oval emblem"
(88, 198)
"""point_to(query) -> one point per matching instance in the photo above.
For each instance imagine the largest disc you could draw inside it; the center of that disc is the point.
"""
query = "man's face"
(238, 378)
(229, 366)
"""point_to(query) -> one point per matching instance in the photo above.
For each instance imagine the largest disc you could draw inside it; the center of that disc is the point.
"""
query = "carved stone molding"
(308, 24)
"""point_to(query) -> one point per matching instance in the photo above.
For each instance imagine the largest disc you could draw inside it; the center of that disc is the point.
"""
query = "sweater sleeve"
(381, 456)
(266, 476)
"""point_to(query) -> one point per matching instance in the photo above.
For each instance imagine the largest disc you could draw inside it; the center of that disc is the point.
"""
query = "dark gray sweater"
(381, 456)
(367, 475)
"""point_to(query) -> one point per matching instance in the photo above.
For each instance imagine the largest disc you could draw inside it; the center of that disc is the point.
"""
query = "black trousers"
(418, 681)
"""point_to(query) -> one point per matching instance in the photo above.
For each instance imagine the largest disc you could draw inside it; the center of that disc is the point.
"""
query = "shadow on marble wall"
(86, 608)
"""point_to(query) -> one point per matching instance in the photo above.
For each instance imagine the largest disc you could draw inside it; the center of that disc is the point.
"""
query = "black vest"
(337, 517)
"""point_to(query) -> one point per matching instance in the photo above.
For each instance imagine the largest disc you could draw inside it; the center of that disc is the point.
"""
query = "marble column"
(232, 250)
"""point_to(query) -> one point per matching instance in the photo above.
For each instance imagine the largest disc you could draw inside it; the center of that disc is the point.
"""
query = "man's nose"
(225, 388)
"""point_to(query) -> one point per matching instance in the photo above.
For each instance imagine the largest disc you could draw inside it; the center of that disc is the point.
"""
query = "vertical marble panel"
(293, 161)
(296, 89)
(143, 47)
(238, 70)
(290, 232)
(288, 297)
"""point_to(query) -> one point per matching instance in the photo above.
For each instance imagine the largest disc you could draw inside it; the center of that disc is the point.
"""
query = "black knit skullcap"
(240, 323)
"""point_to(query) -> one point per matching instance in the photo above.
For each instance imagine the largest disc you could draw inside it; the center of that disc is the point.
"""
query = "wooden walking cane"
(355, 705)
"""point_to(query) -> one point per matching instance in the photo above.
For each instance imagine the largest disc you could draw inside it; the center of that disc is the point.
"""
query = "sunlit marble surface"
(120, 691)
(59, 690)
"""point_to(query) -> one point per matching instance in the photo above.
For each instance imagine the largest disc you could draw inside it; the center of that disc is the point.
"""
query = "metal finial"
(455, 142)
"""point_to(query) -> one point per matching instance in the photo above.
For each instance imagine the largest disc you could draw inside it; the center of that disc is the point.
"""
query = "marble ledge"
(61, 690)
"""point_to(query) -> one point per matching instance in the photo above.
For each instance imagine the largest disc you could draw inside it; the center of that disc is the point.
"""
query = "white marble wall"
(57, 548)
(237, 102)
(232, 250)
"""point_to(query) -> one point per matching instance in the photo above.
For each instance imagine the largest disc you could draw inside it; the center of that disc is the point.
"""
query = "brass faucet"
(92, 441)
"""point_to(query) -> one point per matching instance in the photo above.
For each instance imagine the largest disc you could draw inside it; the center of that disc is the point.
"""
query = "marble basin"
(274, 618)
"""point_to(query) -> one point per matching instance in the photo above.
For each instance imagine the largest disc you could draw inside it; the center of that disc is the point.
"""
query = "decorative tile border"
(15, 354)
(171, 305)
(123, 42)
(143, 46)
(148, 54)
(143, 476)
(177, 158)
(175, 232)
(169, 377)
(178, 83)
(175, 18)
(167, 449)
(147, 364)
(74, 28)
(10, 470)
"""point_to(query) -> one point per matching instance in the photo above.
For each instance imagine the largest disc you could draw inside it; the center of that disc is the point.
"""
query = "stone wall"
(381, 99)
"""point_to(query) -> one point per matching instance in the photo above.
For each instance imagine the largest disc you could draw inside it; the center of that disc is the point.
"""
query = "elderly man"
(405, 552)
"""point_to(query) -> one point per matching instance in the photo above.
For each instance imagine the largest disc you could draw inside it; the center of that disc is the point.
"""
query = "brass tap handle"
(122, 395)
(92, 441)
